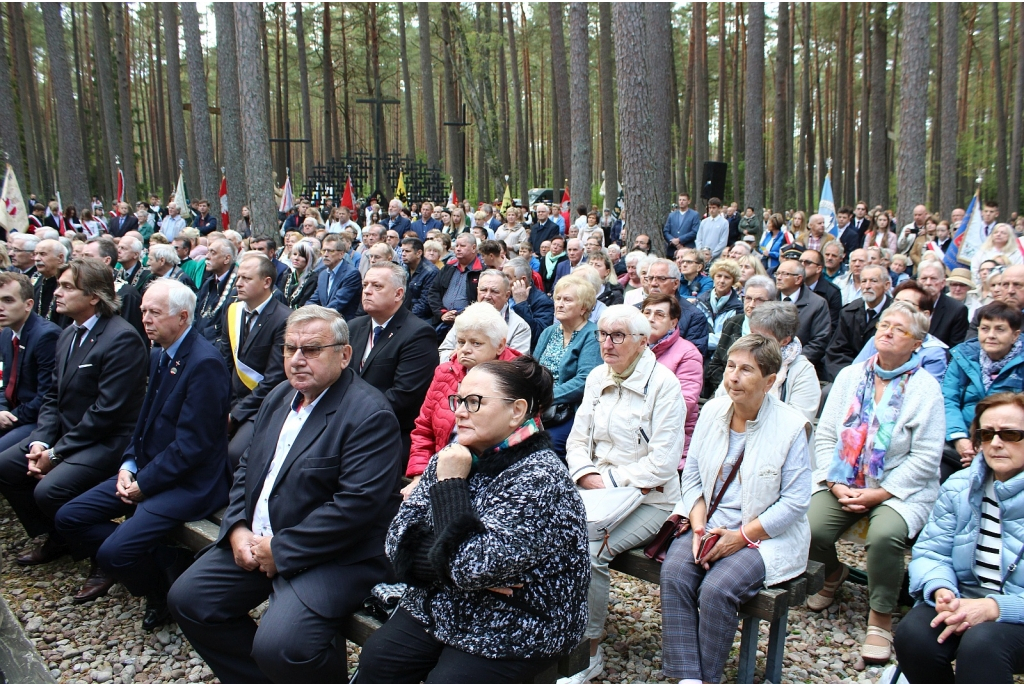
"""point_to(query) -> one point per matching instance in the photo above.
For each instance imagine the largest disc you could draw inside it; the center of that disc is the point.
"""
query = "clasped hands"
(251, 551)
(960, 614)
(127, 488)
(858, 500)
(38, 460)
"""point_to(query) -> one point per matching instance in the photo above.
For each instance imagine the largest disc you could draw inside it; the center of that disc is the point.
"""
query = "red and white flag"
(565, 207)
(13, 214)
(348, 199)
(224, 202)
(120, 185)
(453, 199)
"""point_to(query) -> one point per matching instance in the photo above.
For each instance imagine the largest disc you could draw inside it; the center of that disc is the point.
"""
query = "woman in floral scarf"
(877, 453)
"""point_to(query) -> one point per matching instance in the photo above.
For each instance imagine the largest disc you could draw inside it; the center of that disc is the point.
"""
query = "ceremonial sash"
(248, 376)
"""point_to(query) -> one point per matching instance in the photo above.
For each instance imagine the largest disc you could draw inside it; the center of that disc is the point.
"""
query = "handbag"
(607, 508)
(556, 414)
(674, 527)
(709, 540)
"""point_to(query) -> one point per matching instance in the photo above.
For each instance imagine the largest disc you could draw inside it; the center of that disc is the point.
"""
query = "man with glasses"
(306, 522)
(337, 285)
(1008, 288)
(814, 263)
(949, 317)
(663, 277)
(815, 325)
(22, 249)
(858, 319)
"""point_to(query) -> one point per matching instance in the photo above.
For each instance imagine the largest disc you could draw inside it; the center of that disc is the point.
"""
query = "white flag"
(13, 214)
(181, 198)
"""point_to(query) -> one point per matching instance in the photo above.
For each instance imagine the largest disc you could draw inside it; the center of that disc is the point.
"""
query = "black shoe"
(157, 613)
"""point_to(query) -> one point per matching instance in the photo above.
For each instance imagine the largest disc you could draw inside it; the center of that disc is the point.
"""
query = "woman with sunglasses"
(878, 445)
(492, 545)
(966, 572)
(628, 433)
(991, 364)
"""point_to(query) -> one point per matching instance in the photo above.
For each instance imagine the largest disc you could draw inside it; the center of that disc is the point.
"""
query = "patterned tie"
(246, 326)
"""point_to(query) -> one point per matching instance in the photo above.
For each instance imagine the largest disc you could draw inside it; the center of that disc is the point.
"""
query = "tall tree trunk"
(910, 180)
(410, 133)
(209, 184)
(504, 124)
(947, 108)
(330, 106)
(736, 107)
(878, 179)
(579, 95)
(700, 93)
(560, 102)
(720, 153)
(753, 172)
(863, 154)
(780, 201)
(10, 138)
(166, 163)
(686, 114)
(1002, 154)
(805, 154)
(427, 84)
(71, 167)
(178, 135)
(307, 113)
(104, 75)
(82, 100)
(30, 121)
(609, 157)
(456, 163)
(638, 139)
(255, 127)
(124, 101)
(230, 108)
(1018, 122)
(282, 132)
(659, 51)
(842, 95)
(522, 154)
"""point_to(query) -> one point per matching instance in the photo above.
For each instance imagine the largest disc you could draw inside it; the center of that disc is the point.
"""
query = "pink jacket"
(683, 359)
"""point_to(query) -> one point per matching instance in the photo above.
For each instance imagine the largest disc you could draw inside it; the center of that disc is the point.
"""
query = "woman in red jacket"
(480, 332)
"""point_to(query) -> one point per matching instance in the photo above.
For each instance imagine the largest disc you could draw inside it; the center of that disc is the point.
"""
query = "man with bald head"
(949, 317)
(911, 231)
(49, 256)
(815, 237)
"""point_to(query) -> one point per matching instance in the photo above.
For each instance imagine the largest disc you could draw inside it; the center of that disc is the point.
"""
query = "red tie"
(13, 379)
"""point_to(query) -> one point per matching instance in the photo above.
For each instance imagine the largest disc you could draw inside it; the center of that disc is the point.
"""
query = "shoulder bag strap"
(728, 482)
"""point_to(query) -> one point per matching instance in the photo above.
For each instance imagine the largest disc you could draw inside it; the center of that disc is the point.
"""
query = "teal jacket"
(583, 354)
(962, 388)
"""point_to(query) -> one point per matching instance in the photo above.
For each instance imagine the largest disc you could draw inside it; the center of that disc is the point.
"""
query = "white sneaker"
(595, 669)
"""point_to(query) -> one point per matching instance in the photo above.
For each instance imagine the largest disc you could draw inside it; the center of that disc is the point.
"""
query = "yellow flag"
(506, 201)
(400, 188)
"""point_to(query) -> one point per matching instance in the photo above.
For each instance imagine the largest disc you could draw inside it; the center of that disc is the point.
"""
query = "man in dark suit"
(393, 350)
(338, 285)
(216, 290)
(163, 263)
(50, 256)
(27, 348)
(949, 317)
(421, 274)
(574, 249)
(204, 221)
(395, 220)
(857, 321)
(88, 414)
(130, 269)
(103, 249)
(814, 264)
(251, 346)
(310, 506)
(848, 236)
(175, 468)
(125, 221)
(543, 229)
(815, 324)
(267, 246)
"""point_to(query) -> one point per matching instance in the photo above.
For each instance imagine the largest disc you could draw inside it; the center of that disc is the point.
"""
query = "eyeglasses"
(688, 261)
(660, 279)
(885, 327)
(617, 338)
(807, 262)
(786, 273)
(472, 402)
(654, 313)
(308, 351)
(1006, 434)
(754, 300)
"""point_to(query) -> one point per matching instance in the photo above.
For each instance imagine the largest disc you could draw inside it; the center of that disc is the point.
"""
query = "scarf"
(867, 428)
(745, 328)
(789, 355)
(990, 369)
(717, 302)
(618, 378)
(530, 427)
(550, 261)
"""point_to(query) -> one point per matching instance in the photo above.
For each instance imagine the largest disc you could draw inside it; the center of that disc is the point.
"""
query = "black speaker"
(713, 182)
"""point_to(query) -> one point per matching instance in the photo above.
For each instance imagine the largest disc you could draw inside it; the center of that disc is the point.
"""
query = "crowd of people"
(553, 395)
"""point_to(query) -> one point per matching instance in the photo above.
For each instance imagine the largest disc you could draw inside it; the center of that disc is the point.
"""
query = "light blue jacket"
(962, 387)
(583, 354)
(944, 553)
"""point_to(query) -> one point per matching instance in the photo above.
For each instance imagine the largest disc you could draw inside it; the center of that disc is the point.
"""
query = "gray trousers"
(699, 608)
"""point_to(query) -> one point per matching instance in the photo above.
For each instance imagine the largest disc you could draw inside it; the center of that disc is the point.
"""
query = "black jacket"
(538, 311)
(262, 352)
(949, 321)
(833, 296)
(36, 356)
(118, 229)
(855, 329)
(441, 282)
(417, 290)
(541, 232)
(335, 494)
(815, 327)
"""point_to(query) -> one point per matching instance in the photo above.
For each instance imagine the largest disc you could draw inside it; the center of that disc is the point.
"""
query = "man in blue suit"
(339, 285)
(395, 220)
(680, 228)
(28, 344)
(426, 222)
(175, 468)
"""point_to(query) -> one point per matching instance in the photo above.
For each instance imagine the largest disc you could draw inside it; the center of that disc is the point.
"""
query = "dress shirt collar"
(172, 350)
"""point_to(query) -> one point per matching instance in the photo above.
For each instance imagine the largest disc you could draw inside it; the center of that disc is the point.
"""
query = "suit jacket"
(832, 296)
(131, 309)
(206, 225)
(180, 445)
(336, 492)
(949, 321)
(97, 393)
(36, 356)
(563, 269)
(541, 232)
(401, 364)
(262, 352)
(815, 324)
(117, 229)
(345, 293)
(855, 329)
(850, 240)
(209, 295)
(399, 223)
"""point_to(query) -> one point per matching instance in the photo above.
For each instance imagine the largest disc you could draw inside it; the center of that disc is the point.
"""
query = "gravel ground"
(104, 642)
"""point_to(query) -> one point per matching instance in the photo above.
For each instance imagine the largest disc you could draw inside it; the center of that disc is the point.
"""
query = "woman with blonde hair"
(306, 266)
(750, 265)
(1001, 242)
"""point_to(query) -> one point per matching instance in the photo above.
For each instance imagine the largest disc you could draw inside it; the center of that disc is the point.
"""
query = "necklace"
(53, 301)
(208, 312)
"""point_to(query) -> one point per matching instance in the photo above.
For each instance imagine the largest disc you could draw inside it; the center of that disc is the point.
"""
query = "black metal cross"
(377, 102)
(465, 151)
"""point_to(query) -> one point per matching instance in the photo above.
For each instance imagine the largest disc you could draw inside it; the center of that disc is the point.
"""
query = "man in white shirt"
(849, 283)
(713, 233)
(173, 223)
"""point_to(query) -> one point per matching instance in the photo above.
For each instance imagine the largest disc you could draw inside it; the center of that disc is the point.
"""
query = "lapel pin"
(174, 370)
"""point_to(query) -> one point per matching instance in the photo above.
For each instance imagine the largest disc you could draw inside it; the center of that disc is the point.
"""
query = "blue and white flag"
(968, 237)
(827, 206)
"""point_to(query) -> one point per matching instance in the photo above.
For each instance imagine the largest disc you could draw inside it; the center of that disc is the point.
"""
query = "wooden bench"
(771, 604)
(358, 627)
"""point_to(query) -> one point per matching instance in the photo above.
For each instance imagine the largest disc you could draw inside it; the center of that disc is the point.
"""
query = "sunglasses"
(1006, 434)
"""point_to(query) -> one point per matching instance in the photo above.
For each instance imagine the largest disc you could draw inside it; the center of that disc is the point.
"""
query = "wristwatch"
(55, 458)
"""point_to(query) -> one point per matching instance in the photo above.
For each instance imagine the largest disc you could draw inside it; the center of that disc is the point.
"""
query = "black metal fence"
(422, 182)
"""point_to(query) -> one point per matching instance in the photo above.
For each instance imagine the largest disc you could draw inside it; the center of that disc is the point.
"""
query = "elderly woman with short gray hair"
(877, 451)
(746, 532)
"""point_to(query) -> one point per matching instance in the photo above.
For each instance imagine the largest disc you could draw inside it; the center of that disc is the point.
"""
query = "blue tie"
(377, 330)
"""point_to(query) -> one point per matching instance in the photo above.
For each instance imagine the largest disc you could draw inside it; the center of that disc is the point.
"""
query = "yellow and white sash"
(248, 376)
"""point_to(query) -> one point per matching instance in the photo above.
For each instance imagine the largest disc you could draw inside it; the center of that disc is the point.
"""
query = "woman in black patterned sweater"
(492, 543)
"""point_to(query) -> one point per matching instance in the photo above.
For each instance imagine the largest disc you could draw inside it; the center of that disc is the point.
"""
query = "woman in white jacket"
(760, 516)
(628, 433)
